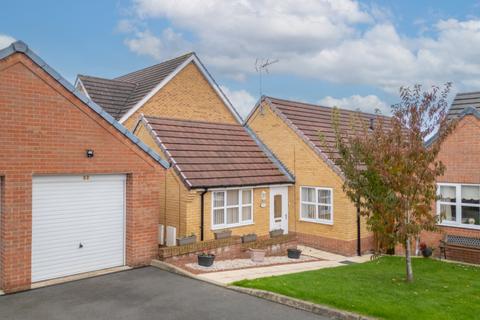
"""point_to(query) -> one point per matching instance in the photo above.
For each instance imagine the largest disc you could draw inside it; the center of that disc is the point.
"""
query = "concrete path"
(330, 260)
(146, 293)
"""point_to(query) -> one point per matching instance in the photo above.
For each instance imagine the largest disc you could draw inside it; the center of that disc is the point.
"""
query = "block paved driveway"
(146, 293)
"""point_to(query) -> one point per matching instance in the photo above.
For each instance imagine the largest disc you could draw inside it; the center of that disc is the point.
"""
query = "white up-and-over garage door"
(78, 224)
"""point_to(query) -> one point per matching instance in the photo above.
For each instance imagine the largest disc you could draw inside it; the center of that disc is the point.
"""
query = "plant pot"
(276, 233)
(249, 238)
(427, 252)
(222, 234)
(206, 260)
(293, 253)
(186, 240)
(257, 255)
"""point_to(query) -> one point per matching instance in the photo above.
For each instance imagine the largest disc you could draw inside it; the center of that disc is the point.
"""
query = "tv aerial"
(261, 66)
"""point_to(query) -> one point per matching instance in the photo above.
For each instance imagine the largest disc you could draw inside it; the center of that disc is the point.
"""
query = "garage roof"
(21, 47)
(210, 155)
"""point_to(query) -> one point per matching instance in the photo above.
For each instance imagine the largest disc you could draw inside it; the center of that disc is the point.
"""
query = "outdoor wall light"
(89, 153)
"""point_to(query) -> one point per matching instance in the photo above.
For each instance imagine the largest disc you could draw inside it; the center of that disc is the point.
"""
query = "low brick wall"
(348, 248)
(457, 254)
(231, 248)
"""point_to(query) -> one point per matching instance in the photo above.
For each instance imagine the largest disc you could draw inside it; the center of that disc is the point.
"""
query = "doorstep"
(76, 277)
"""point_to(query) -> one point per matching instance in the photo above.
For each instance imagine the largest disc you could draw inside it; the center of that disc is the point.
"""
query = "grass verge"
(377, 288)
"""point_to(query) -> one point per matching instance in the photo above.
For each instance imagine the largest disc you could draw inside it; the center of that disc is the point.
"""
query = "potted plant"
(294, 253)
(257, 255)
(251, 237)
(205, 259)
(222, 234)
(426, 251)
(187, 240)
(276, 233)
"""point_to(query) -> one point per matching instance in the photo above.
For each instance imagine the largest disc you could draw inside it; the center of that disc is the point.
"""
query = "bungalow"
(459, 187)
(222, 176)
(321, 214)
(78, 192)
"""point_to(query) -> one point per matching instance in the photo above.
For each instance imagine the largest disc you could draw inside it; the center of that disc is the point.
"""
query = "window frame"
(458, 205)
(317, 203)
(240, 207)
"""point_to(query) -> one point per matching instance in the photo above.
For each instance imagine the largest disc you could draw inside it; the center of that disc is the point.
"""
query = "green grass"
(377, 288)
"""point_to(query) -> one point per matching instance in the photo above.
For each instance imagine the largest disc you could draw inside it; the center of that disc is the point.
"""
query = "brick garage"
(46, 130)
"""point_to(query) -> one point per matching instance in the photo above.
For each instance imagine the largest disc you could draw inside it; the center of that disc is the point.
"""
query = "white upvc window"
(459, 204)
(316, 204)
(232, 208)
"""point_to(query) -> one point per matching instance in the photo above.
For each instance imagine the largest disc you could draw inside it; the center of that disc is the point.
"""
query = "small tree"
(389, 171)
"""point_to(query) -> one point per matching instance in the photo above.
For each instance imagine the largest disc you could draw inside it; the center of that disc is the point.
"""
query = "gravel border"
(246, 263)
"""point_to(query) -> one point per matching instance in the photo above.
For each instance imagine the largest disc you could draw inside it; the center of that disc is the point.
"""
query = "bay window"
(231, 208)
(459, 204)
(316, 204)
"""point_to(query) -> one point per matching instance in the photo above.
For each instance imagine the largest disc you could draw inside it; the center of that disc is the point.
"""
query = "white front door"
(279, 208)
(77, 224)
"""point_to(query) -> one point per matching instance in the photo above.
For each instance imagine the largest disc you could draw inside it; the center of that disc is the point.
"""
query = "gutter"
(202, 214)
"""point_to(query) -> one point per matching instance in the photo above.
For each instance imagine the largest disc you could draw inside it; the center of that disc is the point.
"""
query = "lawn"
(377, 288)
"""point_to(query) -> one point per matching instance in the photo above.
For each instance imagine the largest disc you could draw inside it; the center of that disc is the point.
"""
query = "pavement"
(146, 293)
(329, 260)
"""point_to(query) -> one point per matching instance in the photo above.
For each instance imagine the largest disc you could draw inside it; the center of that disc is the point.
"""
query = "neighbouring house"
(321, 214)
(78, 192)
(459, 187)
(179, 88)
(222, 176)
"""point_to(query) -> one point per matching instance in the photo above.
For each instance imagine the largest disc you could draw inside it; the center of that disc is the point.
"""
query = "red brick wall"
(45, 130)
(460, 153)
(348, 248)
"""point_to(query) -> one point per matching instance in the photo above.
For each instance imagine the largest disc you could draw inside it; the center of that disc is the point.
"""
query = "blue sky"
(353, 54)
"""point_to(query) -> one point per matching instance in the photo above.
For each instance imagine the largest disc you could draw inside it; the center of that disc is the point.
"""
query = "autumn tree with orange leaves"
(390, 171)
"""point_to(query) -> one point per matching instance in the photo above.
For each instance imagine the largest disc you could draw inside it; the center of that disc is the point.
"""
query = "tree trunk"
(408, 258)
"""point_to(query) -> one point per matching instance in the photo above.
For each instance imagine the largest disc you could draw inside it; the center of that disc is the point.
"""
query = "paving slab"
(329, 260)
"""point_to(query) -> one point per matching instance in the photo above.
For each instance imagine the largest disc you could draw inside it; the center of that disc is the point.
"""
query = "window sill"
(327, 222)
(461, 226)
(232, 226)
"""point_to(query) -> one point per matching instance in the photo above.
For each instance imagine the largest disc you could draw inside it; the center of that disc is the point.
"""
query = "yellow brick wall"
(309, 170)
(187, 96)
(173, 194)
(261, 216)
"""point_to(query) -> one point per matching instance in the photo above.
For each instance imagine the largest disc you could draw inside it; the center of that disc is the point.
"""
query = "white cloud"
(338, 41)
(241, 100)
(370, 103)
(5, 40)
(169, 43)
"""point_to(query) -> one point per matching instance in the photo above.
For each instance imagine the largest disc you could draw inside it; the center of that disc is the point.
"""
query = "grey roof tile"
(117, 96)
(462, 101)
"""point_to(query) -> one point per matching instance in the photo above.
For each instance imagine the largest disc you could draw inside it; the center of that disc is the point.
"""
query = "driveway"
(146, 293)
